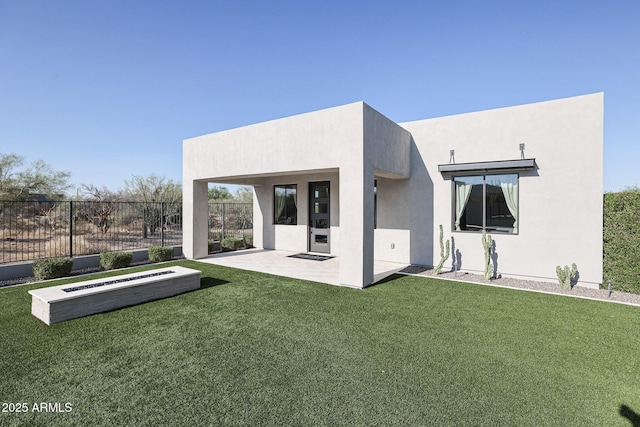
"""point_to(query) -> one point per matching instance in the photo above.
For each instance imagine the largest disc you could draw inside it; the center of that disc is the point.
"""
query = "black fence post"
(144, 222)
(223, 221)
(70, 229)
(162, 224)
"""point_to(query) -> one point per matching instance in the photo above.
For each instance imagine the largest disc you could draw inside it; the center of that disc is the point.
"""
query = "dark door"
(319, 220)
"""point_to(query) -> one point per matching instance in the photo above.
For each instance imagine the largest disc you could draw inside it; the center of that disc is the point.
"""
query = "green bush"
(248, 240)
(113, 260)
(211, 246)
(621, 240)
(216, 235)
(52, 268)
(231, 244)
(160, 253)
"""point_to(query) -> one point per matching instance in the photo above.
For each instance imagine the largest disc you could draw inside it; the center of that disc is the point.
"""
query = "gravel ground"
(553, 288)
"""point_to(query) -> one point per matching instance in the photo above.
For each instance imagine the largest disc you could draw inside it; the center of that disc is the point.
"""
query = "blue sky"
(107, 89)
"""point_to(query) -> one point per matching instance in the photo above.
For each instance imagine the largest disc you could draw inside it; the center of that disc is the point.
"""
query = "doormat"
(312, 257)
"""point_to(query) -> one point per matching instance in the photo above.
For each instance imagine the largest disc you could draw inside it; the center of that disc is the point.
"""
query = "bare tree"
(153, 188)
(156, 193)
(53, 215)
(103, 205)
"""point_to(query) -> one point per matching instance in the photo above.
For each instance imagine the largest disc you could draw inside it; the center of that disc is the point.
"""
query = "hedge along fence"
(52, 268)
(115, 260)
(621, 240)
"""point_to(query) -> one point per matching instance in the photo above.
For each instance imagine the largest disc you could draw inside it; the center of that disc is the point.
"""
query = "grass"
(254, 349)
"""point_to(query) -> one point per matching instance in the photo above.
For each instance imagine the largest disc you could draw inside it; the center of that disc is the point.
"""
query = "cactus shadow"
(630, 415)
(575, 279)
(494, 259)
(456, 256)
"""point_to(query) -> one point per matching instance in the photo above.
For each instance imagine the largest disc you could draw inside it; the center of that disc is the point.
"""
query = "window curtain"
(463, 191)
(291, 212)
(280, 203)
(510, 192)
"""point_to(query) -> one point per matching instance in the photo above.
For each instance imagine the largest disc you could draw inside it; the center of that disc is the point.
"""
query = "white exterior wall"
(308, 142)
(560, 204)
(194, 219)
(405, 215)
(293, 237)
(322, 145)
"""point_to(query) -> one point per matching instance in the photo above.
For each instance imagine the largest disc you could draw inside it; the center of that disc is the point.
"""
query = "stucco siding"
(312, 141)
(560, 204)
(386, 145)
(293, 237)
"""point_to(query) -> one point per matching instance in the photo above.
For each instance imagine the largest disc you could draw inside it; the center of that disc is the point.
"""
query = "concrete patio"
(279, 263)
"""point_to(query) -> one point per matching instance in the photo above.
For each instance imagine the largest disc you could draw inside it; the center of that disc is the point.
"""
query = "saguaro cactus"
(444, 252)
(487, 243)
(566, 275)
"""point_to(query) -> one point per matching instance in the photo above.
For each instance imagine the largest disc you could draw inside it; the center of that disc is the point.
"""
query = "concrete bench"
(64, 302)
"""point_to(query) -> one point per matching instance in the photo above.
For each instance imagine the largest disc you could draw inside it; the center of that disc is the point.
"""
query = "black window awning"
(487, 167)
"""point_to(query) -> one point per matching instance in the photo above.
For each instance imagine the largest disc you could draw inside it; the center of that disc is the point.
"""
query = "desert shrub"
(216, 235)
(230, 244)
(85, 245)
(113, 260)
(248, 240)
(52, 268)
(621, 258)
(160, 253)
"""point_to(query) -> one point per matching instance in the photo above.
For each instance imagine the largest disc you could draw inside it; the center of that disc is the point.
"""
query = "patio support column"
(195, 210)
(356, 225)
(260, 212)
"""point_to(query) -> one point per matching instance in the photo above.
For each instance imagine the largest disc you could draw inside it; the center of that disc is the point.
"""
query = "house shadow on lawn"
(205, 283)
(387, 279)
(210, 282)
(630, 414)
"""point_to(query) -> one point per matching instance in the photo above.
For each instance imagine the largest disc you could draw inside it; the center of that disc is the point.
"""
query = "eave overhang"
(487, 167)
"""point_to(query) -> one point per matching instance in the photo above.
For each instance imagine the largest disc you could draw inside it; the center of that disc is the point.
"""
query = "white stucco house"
(350, 182)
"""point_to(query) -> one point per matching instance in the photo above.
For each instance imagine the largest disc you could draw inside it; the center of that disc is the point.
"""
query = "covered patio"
(280, 263)
(313, 177)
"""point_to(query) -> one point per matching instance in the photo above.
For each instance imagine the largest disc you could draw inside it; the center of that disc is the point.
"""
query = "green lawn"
(254, 349)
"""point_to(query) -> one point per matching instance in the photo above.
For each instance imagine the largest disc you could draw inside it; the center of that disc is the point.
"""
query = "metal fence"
(30, 230)
(232, 219)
